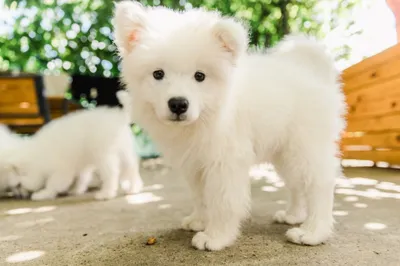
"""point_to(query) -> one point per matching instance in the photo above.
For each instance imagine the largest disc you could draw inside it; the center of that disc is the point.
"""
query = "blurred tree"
(75, 36)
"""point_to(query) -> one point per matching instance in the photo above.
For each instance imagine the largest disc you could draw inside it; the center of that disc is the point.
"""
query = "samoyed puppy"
(9, 140)
(76, 145)
(214, 110)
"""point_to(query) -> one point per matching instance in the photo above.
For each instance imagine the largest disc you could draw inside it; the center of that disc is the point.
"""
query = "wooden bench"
(372, 89)
(23, 105)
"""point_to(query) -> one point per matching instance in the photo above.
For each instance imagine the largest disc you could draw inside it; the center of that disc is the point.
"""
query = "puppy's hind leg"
(108, 170)
(56, 183)
(296, 211)
(317, 165)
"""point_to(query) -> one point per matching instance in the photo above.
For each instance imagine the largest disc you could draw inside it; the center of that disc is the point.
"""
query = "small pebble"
(84, 235)
(151, 241)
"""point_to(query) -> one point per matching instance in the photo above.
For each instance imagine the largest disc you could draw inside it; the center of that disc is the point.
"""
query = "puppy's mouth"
(177, 118)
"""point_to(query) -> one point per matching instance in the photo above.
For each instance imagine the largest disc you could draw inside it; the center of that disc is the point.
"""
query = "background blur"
(76, 36)
(70, 42)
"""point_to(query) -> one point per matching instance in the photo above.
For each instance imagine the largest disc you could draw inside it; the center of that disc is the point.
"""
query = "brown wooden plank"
(375, 140)
(19, 108)
(22, 121)
(389, 156)
(373, 76)
(386, 89)
(371, 62)
(381, 107)
(17, 90)
(380, 123)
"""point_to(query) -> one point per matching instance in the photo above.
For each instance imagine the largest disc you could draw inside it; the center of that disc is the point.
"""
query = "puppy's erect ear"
(232, 35)
(129, 24)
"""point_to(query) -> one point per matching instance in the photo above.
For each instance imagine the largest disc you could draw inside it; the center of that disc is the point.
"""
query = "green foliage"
(75, 36)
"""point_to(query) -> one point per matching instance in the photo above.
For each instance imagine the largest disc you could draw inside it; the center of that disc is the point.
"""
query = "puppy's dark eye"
(158, 74)
(199, 76)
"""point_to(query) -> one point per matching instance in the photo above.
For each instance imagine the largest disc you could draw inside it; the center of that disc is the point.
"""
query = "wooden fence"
(372, 89)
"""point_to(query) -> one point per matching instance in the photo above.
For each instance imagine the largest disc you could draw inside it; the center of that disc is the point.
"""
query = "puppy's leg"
(58, 182)
(318, 167)
(296, 211)
(226, 198)
(195, 221)
(130, 172)
(108, 169)
(82, 182)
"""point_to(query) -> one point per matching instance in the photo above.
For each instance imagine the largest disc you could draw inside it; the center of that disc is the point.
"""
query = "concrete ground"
(81, 231)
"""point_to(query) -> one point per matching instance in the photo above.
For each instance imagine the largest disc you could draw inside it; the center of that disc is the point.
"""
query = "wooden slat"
(18, 108)
(18, 96)
(374, 75)
(22, 121)
(390, 156)
(375, 140)
(375, 108)
(389, 122)
(386, 89)
(371, 62)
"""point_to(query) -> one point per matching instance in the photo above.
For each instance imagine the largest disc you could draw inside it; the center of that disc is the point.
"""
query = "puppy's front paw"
(193, 223)
(283, 217)
(105, 195)
(43, 195)
(301, 236)
(203, 241)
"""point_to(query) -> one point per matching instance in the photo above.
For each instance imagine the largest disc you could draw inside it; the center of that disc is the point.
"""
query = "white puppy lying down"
(8, 140)
(76, 144)
(214, 110)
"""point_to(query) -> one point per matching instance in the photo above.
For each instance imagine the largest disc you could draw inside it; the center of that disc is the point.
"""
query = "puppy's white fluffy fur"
(76, 144)
(8, 140)
(284, 106)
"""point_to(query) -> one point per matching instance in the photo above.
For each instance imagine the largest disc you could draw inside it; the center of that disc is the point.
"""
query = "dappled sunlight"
(357, 163)
(344, 183)
(360, 205)
(29, 210)
(363, 181)
(269, 189)
(264, 171)
(35, 222)
(142, 198)
(281, 202)
(24, 256)
(18, 211)
(9, 238)
(351, 198)
(369, 193)
(382, 164)
(44, 209)
(164, 206)
(375, 226)
(340, 213)
(153, 187)
(388, 186)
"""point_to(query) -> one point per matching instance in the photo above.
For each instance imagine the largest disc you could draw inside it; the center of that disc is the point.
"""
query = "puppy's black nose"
(178, 105)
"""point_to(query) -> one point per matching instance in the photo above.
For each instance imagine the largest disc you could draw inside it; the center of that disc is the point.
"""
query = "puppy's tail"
(124, 99)
(309, 53)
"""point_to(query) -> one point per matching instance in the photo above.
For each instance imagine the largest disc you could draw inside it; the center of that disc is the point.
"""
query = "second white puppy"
(98, 139)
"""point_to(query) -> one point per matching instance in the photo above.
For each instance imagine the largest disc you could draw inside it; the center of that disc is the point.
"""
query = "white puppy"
(76, 144)
(8, 140)
(215, 110)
